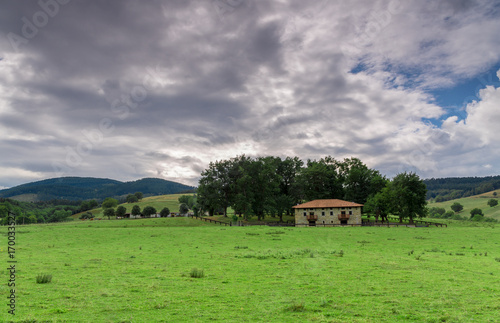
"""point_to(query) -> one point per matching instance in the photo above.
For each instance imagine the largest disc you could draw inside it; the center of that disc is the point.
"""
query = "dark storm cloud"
(128, 89)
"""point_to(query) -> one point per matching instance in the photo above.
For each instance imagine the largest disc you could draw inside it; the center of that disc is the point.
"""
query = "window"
(331, 212)
(311, 213)
(350, 212)
(305, 213)
(323, 213)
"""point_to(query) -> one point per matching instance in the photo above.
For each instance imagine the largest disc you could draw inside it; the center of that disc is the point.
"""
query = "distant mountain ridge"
(84, 188)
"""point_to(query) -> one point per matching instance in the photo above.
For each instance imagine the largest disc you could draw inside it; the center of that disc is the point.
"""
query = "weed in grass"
(297, 307)
(486, 254)
(497, 259)
(276, 232)
(459, 254)
(160, 306)
(241, 247)
(252, 234)
(197, 273)
(341, 253)
(43, 279)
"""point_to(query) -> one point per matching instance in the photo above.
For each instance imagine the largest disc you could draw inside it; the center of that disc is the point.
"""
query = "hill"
(445, 189)
(471, 202)
(85, 188)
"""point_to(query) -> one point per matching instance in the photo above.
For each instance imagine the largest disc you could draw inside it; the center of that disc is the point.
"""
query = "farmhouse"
(327, 212)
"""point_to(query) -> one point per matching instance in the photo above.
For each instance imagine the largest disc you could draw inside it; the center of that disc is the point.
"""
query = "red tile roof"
(326, 204)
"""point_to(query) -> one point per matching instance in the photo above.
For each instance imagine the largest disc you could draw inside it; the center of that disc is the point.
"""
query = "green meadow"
(476, 201)
(141, 271)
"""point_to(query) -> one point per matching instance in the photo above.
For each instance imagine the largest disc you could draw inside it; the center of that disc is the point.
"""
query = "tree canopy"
(272, 185)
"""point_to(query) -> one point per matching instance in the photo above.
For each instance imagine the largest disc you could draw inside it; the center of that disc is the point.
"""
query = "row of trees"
(272, 185)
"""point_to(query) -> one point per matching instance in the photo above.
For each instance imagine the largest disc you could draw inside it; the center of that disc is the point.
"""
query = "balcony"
(312, 217)
(344, 217)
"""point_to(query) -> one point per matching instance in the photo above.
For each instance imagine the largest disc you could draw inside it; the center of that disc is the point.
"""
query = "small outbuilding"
(328, 213)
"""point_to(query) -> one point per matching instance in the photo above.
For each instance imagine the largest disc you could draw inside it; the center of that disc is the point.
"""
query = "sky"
(132, 89)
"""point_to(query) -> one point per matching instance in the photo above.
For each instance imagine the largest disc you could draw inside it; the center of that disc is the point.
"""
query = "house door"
(343, 222)
(312, 223)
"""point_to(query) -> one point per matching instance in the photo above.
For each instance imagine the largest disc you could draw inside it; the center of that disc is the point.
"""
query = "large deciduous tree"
(148, 211)
(408, 193)
(120, 211)
(109, 202)
(136, 210)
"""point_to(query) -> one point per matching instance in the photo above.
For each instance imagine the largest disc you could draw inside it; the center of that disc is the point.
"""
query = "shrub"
(457, 207)
(449, 215)
(436, 212)
(197, 273)
(493, 202)
(476, 211)
(477, 218)
(43, 279)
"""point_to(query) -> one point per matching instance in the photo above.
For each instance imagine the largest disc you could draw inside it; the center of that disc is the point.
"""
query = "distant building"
(327, 212)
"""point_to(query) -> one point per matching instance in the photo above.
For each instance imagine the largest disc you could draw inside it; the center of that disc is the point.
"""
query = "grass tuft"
(297, 307)
(43, 279)
(197, 273)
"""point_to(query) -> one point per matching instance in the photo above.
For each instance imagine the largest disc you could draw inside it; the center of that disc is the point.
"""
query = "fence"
(210, 220)
(288, 224)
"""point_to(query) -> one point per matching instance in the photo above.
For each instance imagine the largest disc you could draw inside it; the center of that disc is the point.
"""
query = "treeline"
(445, 189)
(272, 185)
(44, 212)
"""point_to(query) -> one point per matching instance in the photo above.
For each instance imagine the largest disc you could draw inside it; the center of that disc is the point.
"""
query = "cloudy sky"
(133, 89)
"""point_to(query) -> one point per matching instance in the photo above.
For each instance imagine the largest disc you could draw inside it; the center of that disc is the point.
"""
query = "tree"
(136, 210)
(139, 195)
(131, 198)
(120, 211)
(476, 211)
(148, 211)
(380, 204)
(93, 204)
(408, 196)
(493, 202)
(184, 199)
(109, 202)
(321, 179)
(359, 182)
(165, 212)
(109, 212)
(457, 207)
(183, 208)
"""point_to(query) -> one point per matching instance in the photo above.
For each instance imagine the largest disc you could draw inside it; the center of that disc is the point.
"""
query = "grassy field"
(469, 203)
(140, 271)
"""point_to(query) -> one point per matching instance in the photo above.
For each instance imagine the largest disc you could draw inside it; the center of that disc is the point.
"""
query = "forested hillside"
(84, 188)
(445, 189)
